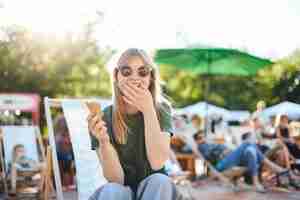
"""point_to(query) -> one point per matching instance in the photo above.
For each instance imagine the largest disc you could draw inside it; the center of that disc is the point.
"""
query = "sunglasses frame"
(138, 71)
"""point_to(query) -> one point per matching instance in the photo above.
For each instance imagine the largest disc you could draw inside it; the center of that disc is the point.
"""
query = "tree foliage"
(74, 66)
(51, 66)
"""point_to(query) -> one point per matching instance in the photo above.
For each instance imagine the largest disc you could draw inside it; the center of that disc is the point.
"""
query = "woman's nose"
(136, 81)
(134, 78)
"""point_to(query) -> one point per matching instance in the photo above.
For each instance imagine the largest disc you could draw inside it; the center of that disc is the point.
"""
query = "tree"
(50, 66)
(282, 80)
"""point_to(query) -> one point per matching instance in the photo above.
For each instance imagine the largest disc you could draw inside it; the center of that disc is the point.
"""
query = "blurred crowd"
(259, 144)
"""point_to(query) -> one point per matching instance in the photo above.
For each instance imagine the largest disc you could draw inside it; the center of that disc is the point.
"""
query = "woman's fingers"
(129, 91)
(129, 94)
(103, 130)
(99, 129)
(143, 86)
(121, 84)
(93, 121)
(134, 88)
(101, 133)
(128, 100)
(99, 125)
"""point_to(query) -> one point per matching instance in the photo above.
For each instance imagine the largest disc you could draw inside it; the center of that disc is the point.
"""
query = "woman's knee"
(116, 191)
(112, 191)
(159, 179)
(157, 186)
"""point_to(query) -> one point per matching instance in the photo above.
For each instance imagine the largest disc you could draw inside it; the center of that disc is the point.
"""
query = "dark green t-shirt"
(132, 155)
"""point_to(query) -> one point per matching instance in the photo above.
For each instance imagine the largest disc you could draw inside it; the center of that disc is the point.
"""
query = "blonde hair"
(261, 104)
(118, 116)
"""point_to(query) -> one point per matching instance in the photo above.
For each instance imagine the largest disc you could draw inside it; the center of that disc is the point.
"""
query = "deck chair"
(30, 137)
(232, 174)
(3, 184)
(89, 174)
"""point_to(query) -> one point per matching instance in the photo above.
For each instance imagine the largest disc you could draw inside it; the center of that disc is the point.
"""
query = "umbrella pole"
(204, 89)
(206, 94)
(207, 109)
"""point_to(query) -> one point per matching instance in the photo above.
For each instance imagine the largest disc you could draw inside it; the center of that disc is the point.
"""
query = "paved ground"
(70, 196)
(213, 191)
(217, 192)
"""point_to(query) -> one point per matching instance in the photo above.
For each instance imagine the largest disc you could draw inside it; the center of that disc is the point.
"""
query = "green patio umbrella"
(212, 61)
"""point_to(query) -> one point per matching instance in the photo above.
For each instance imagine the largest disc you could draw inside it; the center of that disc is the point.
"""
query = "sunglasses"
(142, 71)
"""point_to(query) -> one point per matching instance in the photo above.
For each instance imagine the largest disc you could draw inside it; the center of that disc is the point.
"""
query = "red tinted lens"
(125, 71)
(144, 71)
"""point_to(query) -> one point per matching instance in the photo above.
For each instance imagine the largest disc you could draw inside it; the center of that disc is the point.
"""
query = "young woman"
(132, 138)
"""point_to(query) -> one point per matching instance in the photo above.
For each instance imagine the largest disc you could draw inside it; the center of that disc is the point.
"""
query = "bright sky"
(266, 28)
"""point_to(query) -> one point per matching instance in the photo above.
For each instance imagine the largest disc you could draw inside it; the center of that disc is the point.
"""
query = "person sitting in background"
(184, 131)
(21, 163)
(191, 129)
(274, 149)
(292, 145)
(259, 134)
(283, 130)
(196, 122)
(64, 153)
(260, 106)
(265, 141)
(295, 151)
(246, 155)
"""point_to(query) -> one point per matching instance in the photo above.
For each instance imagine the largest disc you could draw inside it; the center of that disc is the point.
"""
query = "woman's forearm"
(111, 165)
(157, 143)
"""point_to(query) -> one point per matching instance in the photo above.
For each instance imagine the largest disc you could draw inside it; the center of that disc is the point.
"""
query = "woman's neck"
(130, 109)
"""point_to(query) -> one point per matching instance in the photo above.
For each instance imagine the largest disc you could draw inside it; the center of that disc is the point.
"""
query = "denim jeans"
(246, 155)
(155, 187)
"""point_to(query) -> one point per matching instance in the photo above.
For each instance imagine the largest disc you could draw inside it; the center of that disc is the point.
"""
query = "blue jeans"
(246, 155)
(155, 187)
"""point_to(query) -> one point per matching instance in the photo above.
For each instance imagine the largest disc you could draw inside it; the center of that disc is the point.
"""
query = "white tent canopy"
(289, 108)
(204, 109)
(238, 115)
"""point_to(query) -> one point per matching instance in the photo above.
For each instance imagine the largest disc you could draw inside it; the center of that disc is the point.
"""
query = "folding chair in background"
(30, 138)
(89, 174)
